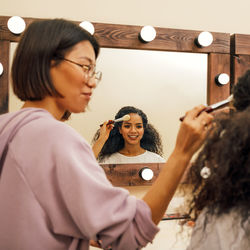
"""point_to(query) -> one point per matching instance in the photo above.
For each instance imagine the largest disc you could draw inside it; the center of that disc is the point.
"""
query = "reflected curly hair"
(227, 153)
(150, 141)
(241, 92)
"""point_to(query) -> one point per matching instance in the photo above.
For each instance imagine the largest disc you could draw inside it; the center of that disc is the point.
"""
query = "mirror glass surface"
(163, 84)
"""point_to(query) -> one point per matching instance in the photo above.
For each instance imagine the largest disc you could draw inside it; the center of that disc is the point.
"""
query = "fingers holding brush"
(193, 130)
(104, 133)
(105, 129)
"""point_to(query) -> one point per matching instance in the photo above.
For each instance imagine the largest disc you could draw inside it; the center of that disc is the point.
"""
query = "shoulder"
(46, 125)
(114, 158)
(54, 143)
(224, 231)
(154, 157)
(44, 131)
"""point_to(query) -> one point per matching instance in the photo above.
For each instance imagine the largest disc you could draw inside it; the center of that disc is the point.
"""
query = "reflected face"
(70, 80)
(132, 130)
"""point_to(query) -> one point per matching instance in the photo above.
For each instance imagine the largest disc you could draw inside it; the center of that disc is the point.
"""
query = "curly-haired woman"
(131, 141)
(220, 202)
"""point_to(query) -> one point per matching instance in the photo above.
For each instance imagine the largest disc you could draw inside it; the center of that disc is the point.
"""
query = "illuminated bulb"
(147, 34)
(204, 39)
(88, 26)
(1, 69)
(146, 174)
(16, 25)
(222, 79)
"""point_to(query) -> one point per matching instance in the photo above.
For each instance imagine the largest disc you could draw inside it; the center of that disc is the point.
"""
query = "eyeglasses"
(89, 70)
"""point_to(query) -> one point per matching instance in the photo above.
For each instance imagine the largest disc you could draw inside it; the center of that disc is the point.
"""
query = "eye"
(139, 126)
(126, 126)
(86, 68)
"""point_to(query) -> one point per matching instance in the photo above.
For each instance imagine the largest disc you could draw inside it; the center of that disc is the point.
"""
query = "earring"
(205, 172)
(222, 133)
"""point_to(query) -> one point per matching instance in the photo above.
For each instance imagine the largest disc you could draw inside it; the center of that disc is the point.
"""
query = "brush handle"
(207, 109)
(108, 123)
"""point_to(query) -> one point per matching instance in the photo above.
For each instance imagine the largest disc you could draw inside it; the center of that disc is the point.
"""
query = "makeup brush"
(124, 118)
(214, 106)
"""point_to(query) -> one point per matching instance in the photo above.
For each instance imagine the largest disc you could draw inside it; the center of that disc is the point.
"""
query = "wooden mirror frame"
(240, 60)
(126, 37)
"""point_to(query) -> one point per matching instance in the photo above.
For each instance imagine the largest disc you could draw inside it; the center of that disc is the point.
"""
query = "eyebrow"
(87, 58)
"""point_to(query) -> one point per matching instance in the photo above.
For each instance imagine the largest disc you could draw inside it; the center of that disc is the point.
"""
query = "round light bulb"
(1, 69)
(222, 79)
(88, 26)
(148, 33)
(205, 39)
(16, 25)
(146, 174)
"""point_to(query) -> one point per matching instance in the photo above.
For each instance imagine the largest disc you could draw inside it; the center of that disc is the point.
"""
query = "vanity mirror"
(164, 77)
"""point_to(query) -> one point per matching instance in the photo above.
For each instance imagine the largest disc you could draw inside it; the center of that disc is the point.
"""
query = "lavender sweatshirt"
(54, 195)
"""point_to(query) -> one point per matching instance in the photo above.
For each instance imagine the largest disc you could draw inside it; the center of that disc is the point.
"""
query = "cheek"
(63, 78)
(142, 132)
(59, 78)
(123, 132)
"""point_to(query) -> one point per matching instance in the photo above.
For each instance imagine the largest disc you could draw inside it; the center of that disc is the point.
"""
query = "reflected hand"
(105, 130)
(104, 133)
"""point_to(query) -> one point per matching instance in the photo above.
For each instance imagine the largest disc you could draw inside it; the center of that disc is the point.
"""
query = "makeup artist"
(132, 141)
(53, 193)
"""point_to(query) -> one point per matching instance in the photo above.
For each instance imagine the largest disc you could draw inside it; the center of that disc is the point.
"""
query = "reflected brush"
(124, 118)
(214, 106)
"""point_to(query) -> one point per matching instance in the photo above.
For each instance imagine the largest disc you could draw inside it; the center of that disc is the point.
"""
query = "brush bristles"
(126, 117)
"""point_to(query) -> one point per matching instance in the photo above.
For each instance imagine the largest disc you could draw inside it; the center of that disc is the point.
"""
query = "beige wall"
(213, 15)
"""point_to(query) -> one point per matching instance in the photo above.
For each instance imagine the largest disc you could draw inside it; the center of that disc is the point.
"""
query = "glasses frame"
(88, 70)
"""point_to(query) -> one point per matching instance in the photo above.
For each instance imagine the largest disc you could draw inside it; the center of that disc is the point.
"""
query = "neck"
(46, 104)
(132, 150)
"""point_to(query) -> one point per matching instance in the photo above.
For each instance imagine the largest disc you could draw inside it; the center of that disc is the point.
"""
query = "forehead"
(83, 50)
(134, 118)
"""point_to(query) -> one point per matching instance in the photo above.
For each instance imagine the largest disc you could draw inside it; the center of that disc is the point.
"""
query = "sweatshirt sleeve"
(81, 202)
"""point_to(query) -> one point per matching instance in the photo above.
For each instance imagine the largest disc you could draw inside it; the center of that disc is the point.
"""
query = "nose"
(91, 82)
(133, 128)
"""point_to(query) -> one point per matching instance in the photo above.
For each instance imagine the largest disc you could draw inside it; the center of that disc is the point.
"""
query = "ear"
(53, 63)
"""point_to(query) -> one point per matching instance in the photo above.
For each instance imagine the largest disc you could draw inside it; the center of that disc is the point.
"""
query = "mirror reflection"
(163, 84)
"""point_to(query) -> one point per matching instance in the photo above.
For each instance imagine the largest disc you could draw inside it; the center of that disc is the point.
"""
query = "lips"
(87, 94)
(133, 136)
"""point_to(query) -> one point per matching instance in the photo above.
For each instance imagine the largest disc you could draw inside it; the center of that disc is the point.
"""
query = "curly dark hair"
(241, 92)
(226, 153)
(150, 141)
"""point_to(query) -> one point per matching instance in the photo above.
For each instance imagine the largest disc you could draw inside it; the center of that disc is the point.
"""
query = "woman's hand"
(103, 137)
(105, 131)
(193, 130)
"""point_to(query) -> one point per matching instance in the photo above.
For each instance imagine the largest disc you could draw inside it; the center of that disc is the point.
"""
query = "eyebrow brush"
(214, 106)
(124, 118)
